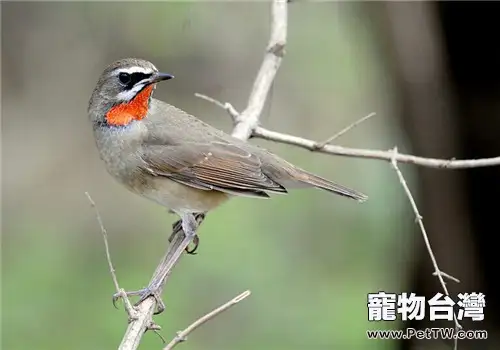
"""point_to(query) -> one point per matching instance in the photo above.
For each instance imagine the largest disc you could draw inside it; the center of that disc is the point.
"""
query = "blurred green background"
(310, 259)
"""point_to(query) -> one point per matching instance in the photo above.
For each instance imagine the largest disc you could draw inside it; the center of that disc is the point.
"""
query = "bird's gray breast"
(119, 149)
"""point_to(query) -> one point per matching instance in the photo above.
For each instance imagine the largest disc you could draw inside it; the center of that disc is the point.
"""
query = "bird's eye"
(125, 78)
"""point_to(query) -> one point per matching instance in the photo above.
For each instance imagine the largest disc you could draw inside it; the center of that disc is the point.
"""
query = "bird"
(171, 157)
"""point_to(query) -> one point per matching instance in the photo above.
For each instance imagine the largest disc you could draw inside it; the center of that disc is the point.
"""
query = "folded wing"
(210, 166)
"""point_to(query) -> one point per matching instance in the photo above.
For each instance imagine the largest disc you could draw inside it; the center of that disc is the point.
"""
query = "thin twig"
(157, 332)
(374, 154)
(226, 106)
(448, 276)
(182, 336)
(128, 306)
(418, 217)
(344, 130)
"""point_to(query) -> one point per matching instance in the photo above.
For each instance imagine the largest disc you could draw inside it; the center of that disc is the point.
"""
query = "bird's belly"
(181, 198)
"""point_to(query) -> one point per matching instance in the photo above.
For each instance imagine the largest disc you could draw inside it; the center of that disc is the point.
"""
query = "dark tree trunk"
(445, 61)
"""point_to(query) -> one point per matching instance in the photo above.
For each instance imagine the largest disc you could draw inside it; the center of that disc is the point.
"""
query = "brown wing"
(210, 166)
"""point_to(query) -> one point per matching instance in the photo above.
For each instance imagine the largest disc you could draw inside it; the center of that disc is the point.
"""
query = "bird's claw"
(143, 294)
(196, 242)
(120, 295)
(177, 226)
(160, 305)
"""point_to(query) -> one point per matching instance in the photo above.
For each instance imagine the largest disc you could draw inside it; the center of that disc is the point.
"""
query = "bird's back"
(169, 125)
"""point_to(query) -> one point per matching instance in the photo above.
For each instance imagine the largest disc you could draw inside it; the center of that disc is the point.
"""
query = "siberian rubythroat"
(173, 158)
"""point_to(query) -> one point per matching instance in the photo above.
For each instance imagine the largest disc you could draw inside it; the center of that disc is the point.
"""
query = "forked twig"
(418, 218)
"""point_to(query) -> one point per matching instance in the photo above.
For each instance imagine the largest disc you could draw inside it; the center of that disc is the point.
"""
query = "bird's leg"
(177, 246)
(177, 226)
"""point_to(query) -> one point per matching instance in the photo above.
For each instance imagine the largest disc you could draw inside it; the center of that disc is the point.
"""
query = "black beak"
(157, 77)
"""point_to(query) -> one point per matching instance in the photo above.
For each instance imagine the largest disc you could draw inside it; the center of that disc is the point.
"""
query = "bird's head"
(123, 92)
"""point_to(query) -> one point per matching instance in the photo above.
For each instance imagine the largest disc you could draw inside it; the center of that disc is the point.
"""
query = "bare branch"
(374, 154)
(420, 222)
(324, 147)
(138, 326)
(248, 120)
(146, 309)
(182, 336)
(128, 306)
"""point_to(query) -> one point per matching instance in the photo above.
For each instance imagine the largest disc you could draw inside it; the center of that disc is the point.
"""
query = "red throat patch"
(135, 109)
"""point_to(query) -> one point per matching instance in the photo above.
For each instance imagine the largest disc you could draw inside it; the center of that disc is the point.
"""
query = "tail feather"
(324, 184)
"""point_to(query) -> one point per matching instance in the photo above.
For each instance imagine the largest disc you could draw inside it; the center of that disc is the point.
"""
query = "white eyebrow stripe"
(135, 69)
(127, 95)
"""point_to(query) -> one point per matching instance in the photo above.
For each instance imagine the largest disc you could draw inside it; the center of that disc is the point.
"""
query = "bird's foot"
(143, 294)
(177, 226)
